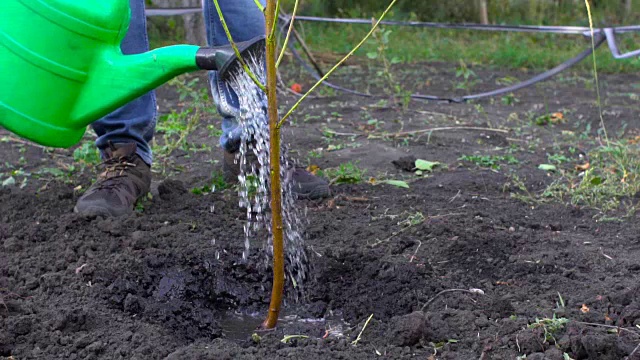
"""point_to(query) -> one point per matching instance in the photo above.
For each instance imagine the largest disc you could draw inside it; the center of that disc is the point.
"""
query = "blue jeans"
(136, 121)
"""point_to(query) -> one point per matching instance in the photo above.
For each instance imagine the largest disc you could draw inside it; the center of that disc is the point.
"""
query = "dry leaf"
(583, 167)
(557, 117)
(313, 169)
(585, 309)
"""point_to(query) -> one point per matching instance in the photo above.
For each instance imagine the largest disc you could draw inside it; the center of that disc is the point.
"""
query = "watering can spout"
(117, 79)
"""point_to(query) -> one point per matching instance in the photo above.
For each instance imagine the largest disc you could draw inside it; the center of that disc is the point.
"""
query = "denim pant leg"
(245, 21)
(135, 121)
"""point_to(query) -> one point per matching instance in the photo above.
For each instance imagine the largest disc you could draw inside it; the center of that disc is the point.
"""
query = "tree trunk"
(484, 14)
(627, 6)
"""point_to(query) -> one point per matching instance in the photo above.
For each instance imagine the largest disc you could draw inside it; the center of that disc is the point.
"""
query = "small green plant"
(392, 87)
(551, 327)
(557, 158)
(87, 155)
(510, 99)
(348, 173)
(176, 126)
(490, 161)
(466, 75)
(216, 183)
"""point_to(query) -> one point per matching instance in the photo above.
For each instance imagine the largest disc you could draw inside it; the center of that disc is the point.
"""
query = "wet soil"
(167, 282)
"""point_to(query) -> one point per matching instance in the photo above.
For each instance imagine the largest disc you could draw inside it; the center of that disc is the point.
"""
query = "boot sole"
(96, 210)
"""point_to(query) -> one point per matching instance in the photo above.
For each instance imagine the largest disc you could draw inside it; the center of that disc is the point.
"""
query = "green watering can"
(62, 68)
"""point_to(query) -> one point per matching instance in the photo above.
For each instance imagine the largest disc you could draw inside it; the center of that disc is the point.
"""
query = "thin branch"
(355, 342)
(426, 305)
(236, 50)
(630, 357)
(307, 51)
(286, 39)
(608, 327)
(336, 66)
(595, 71)
(259, 5)
(406, 133)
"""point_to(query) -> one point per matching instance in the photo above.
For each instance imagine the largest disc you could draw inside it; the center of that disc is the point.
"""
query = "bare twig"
(630, 357)
(329, 131)
(609, 327)
(426, 305)
(308, 52)
(415, 252)
(355, 342)
(422, 131)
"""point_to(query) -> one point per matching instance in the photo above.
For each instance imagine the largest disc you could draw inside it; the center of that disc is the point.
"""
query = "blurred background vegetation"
(511, 50)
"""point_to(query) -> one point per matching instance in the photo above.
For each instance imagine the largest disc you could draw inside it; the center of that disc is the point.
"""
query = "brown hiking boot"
(124, 180)
(305, 184)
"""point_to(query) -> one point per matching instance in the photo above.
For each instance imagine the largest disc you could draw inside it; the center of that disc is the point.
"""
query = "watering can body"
(62, 67)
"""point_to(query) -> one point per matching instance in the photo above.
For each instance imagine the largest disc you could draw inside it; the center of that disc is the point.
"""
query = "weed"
(612, 176)
(393, 86)
(490, 161)
(551, 326)
(87, 155)
(348, 173)
(176, 126)
(468, 76)
(557, 158)
(215, 183)
(509, 99)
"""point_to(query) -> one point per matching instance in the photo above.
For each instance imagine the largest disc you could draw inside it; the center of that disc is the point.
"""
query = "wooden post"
(484, 14)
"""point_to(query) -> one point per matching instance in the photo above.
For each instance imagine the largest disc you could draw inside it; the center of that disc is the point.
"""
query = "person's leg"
(134, 122)
(123, 140)
(245, 22)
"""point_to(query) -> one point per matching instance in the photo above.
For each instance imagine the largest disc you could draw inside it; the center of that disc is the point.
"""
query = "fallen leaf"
(9, 181)
(585, 309)
(425, 165)
(557, 117)
(397, 183)
(313, 169)
(547, 167)
(583, 167)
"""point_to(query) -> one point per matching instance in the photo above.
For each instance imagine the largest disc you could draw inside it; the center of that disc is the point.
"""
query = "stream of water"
(254, 189)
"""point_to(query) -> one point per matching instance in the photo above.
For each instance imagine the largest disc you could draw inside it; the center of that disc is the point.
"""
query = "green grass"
(504, 50)
(490, 161)
(348, 173)
(612, 179)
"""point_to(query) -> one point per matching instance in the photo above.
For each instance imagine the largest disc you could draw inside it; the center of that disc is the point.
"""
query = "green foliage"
(87, 154)
(613, 175)
(215, 183)
(174, 128)
(348, 173)
(490, 161)
(550, 326)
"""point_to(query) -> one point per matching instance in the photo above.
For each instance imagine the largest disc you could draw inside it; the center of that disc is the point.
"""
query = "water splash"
(254, 189)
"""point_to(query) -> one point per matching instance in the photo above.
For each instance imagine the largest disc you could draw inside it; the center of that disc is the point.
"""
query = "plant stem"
(274, 159)
(286, 39)
(595, 71)
(235, 48)
(336, 66)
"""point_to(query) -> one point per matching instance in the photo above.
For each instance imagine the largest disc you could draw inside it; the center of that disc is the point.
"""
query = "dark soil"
(167, 282)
